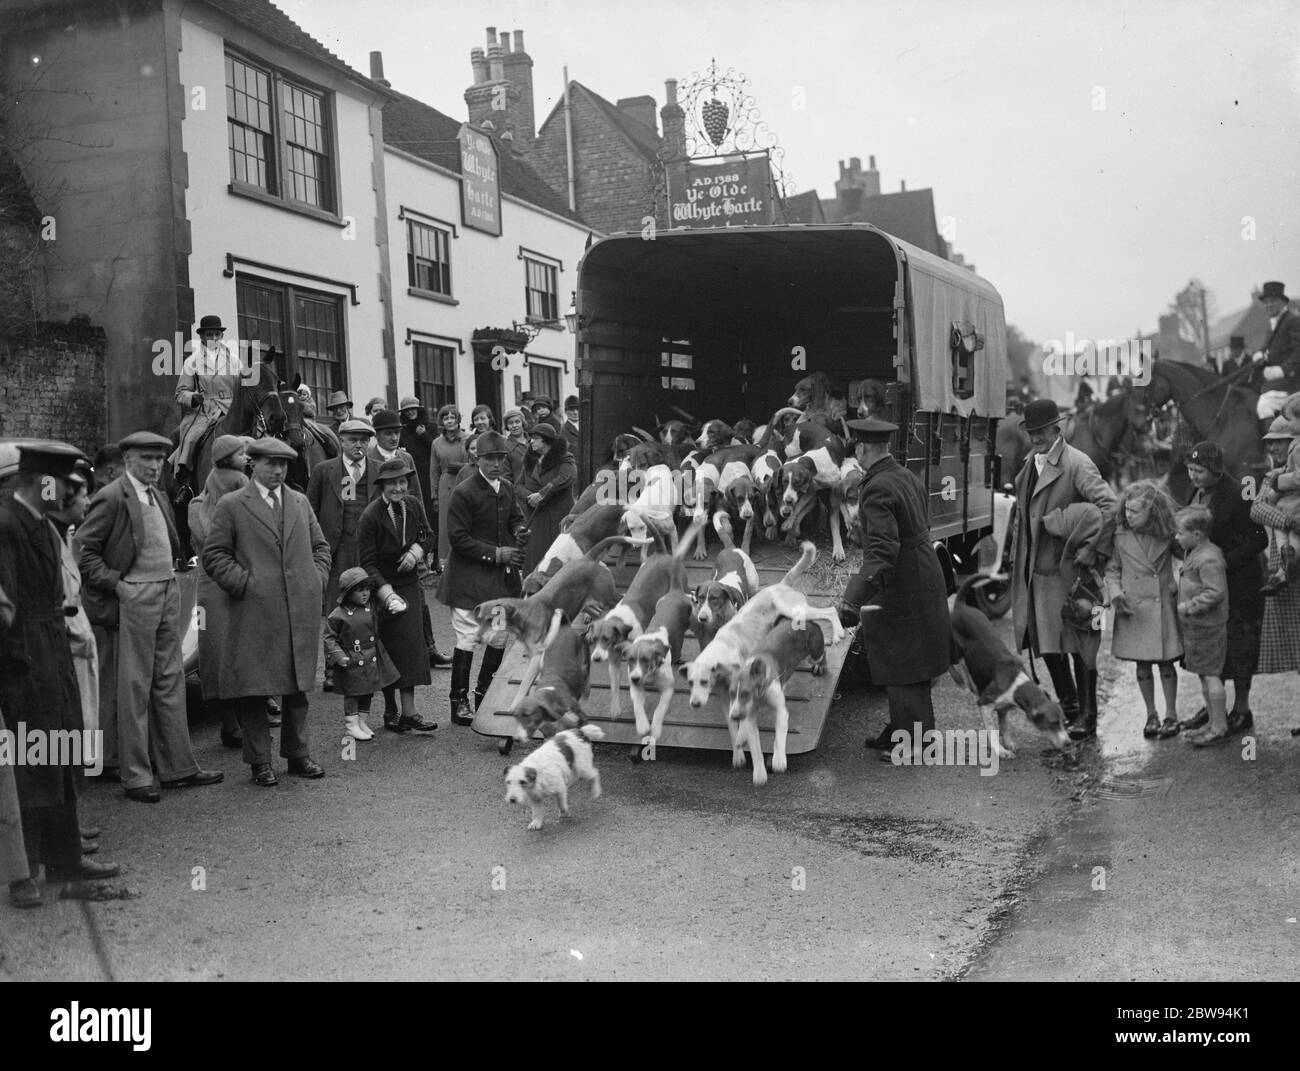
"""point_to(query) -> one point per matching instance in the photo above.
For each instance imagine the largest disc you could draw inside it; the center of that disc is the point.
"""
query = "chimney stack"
(642, 109)
(377, 70)
(478, 63)
(501, 96)
(674, 122)
(518, 68)
(871, 179)
(902, 185)
(496, 64)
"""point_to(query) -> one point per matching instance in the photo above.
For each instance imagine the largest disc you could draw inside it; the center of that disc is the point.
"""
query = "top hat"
(352, 578)
(871, 429)
(1237, 342)
(409, 403)
(1208, 455)
(337, 398)
(1273, 290)
(393, 468)
(386, 420)
(139, 440)
(1041, 413)
(493, 442)
(270, 447)
(211, 323)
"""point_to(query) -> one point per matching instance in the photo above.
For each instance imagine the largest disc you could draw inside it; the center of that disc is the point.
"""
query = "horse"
(1218, 410)
(283, 419)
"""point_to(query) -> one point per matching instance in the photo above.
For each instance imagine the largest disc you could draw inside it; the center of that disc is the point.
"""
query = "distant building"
(907, 214)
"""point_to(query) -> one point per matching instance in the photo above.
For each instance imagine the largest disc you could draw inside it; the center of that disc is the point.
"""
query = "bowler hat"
(352, 578)
(1208, 455)
(47, 457)
(356, 426)
(1279, 429)
(1274, 290)
(493, 442)
(571, 402)
(544, 430)
(1041, 413)
(211, 323)
(270, 447)
(1237, 342)
(140, 440)
(393, 468)
(386, 420)
(337, 398)
(226, 446)
(871, 429)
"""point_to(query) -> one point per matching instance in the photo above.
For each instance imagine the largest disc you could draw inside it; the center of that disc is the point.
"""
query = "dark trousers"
(251, 710)
(909, 704)
(52, 836)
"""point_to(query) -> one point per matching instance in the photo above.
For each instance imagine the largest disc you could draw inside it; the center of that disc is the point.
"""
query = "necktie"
(275, 506)
(148, 492)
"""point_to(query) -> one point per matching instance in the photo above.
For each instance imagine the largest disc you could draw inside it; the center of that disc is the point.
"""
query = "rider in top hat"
(204, 391)
(1237, 358)
(1278, 363)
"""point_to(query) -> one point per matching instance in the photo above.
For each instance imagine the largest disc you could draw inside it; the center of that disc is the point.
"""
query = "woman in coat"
(547, 488)
(447, 457)
(226, 475)
(392, 540)
(517, 435)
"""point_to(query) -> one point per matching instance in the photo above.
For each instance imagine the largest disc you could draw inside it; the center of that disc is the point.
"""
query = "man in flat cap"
(906, 640)
(485, 532)
(1278, 363)
(127, 550)
(38, 684)
(1054, 476)
(267, 553)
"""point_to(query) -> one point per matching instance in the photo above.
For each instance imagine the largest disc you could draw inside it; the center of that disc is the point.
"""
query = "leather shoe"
(25, 893)
(86, 870)
(197, 780)
(438, 660)
(883, 742)
(263, 775)
(89, 832)
(88, 847)
(393, 723)
(1237, 722)
(234, 741)
(417, 722)
(306, 768)
(461, 714)
(147, 794)
(1202, 718)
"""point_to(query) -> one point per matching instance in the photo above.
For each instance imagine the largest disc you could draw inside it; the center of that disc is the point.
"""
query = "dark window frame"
(548, 298)
(448, 355)
(547, 370)
(442, 237)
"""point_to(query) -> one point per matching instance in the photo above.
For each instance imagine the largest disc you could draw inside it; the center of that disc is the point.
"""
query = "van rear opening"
(724, 324)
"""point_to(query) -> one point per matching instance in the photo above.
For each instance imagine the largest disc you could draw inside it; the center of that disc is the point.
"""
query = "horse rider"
(205, 390)
(1083, 397)
(1237, 358)
(1278, 363)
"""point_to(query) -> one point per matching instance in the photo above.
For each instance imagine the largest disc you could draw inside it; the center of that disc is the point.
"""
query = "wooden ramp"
(808, 698)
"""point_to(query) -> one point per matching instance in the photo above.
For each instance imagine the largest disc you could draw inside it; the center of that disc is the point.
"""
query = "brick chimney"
(642, 109)
(871, 179)
(674, 120)
(518, 67)
(492, 101)
(377, 70)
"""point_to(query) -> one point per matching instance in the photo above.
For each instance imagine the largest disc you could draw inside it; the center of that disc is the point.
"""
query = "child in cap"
(1203, 615)
(1282, 489)
(361, 665)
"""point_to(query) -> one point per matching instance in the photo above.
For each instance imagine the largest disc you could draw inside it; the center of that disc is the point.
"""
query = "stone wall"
(52, 385)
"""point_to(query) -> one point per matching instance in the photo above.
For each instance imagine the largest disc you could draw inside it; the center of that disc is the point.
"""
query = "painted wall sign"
(724, 192)
(480, 181)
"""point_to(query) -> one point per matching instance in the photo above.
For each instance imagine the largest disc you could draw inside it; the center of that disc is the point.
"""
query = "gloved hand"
(850, 616)
(1272, 372)
(196, 400)
(395, 604)
(1121, 605)
(510, 556)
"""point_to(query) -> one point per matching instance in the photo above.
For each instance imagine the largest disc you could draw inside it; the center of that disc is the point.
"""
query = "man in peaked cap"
(127, 550)
(1054, 476)
(905, 637)
(267, 554)
(38, 683)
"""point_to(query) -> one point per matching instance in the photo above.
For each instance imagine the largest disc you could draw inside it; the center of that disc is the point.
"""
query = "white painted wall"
(487, 277)
(224, 223)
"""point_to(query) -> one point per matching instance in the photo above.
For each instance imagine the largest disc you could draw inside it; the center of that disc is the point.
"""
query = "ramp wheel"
(505, 746)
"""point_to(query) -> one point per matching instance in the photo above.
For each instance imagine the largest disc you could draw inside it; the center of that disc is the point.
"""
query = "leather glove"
(406, 563)
(510, 556)
(196, 400)
(850, 616)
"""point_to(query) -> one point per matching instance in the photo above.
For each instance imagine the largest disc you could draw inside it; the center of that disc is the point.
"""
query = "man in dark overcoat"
(485, 531)
(907, 641)
(126, 550)
(1277, 371)
(1242, 541)
(38, 683)
(267, 553)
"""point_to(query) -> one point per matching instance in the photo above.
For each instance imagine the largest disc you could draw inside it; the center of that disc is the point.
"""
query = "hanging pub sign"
(720, 191)
(480, 181)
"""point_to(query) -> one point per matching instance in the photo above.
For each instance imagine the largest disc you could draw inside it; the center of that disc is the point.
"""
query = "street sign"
(720, 191)
(480, 181)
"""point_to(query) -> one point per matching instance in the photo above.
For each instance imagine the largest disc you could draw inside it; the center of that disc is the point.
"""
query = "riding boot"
(491, 663)
(1058, 666)
(461, 663)
(437, 660)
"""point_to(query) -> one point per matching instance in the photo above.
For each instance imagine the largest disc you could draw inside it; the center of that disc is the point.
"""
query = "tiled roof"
(804, 208)
(908, 214)
(642, 138)
(423, 131)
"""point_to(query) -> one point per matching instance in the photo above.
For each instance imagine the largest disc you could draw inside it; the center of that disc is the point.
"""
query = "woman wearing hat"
(547, 489)
(1279, 645)
(204, 391)
(228, 460)
(517, 435)
(1242, 541)
(1282, 489)
(447, 457)
(392, 541)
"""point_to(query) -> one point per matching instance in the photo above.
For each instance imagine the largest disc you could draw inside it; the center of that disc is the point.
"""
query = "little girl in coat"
(1203, 612)
(1144, 597)
(361, 665)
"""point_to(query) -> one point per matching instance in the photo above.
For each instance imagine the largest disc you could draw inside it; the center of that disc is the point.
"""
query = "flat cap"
(225, 446)
(871, 429)
(356, 426)
(140, 440)
(268, 447)
(48, 457)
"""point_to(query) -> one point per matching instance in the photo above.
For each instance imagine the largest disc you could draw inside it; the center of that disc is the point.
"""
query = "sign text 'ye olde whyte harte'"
(730, 193)
(480, 183)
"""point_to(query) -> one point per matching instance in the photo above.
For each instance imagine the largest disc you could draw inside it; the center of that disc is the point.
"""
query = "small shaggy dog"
(551, 769)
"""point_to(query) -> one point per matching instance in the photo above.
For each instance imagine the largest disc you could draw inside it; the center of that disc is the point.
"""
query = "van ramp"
(808, 698)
